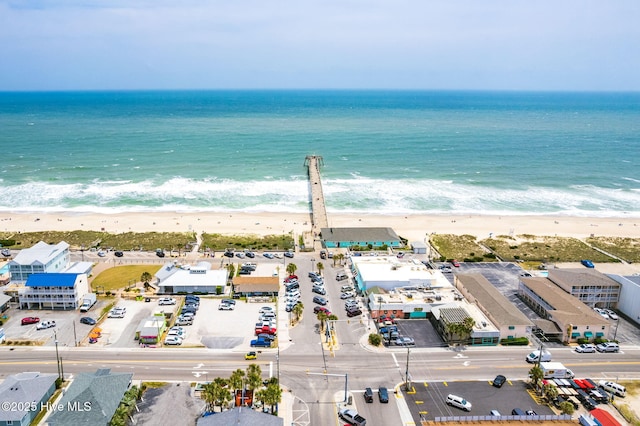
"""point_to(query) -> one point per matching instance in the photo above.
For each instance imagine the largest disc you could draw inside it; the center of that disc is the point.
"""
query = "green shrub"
(517, 341)
(375, 339)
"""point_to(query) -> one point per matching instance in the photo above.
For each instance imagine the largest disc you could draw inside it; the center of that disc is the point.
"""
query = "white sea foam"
(357, 195)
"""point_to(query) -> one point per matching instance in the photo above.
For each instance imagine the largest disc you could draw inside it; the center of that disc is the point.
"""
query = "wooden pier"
(318, 210)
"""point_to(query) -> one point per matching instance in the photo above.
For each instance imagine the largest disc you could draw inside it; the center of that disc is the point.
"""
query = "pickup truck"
(352, 417)
(259, 343)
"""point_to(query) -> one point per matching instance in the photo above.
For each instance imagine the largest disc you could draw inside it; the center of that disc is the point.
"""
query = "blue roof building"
(53, 291)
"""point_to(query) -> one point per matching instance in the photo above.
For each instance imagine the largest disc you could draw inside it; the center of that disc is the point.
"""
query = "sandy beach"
(413, 227)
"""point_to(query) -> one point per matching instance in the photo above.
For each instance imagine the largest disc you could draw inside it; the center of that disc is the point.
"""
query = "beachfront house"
(574, 320)
(53, 291)
(186, 279)
(24, 394)
(41, 258)
(501, 312)
(359, 237)
(96, 396)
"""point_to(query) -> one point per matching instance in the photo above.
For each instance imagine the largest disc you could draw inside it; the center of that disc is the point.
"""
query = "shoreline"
(413, 227)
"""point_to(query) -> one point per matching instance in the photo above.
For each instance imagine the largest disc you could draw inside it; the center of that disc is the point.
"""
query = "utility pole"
(407, 383)
(55, 337)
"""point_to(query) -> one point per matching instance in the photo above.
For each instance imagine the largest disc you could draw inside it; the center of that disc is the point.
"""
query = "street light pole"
(312, 264)
(55, 337)
(407, 383)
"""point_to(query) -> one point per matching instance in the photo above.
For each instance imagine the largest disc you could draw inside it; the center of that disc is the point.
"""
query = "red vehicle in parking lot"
(30, 320)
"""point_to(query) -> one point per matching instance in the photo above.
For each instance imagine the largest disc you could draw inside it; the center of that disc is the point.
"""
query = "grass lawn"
(543, 249)
(459, 247)
(119, 277)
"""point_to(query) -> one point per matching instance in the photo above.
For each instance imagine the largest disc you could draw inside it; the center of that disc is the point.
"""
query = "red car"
(455, 263)
(30, 320)
(293, 277)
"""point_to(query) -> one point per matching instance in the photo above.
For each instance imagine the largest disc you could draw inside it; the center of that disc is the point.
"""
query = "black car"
(244, 271)
(499, 381)
(383, 394)
(88, 321)
(320, 300)
(354, 313)
(228, 253)
(368, 395)
(160, 253)
(118, 253)
(250, 254)
(191, 296)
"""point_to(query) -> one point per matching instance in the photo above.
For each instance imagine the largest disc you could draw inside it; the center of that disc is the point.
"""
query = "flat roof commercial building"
(574, 318)
(361, 237)
(198, 279)
(388, 273)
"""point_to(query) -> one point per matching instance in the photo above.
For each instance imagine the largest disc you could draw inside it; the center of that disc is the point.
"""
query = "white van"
(459, 402)
(533, 356)
(613, 387)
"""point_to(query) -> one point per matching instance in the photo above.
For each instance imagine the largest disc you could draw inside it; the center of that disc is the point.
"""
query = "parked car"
(117, 313)
(229, 301)
(346, 288)
(268, 255)
(172, 340)
(266, 336)
(88, 321)
(30, 320)
(159, 253)
(383, 395)
(6, 252)
(319, 290)
(190, 297)
(250, 254)
(251, 355)
(318, 309)
(167, 301)
(289, 254)
(314, 275)
(455, 263)
(602, 312)
(320, 300)
(499, 381)
(352, 417)
(266, 309)
(226, 307)
(240, 255)
(45, 324)
(611, 314)
(608, 347)
(228, 254)
(277, 255)
(368, 395)
(354, 312)
(347, 295)
(587, 263)
(405, 341)
(118, 253)
(459, 402)
(259, 343)
(586, 348)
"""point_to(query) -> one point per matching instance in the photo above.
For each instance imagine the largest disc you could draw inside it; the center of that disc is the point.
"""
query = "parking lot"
(429, 402)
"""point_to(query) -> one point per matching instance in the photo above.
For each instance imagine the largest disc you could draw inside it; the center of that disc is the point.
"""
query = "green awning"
(599, 334)
(588, 334)
(575, 334)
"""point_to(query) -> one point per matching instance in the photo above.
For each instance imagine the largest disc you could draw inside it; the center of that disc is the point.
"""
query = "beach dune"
(412, 227)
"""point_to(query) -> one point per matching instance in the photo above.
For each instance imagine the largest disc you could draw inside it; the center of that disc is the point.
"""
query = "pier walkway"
(318, 211)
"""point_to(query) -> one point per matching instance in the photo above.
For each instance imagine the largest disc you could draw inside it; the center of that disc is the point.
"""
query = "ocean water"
(385, 152)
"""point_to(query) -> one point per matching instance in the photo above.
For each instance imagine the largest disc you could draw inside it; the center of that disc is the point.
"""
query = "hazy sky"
(406, 44)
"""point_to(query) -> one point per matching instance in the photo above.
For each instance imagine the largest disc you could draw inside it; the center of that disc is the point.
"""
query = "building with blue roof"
(53, 291)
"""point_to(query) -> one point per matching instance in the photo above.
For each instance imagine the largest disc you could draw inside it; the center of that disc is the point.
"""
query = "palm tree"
(254, 376)
(340, 257)
(297, 311)
(536, 376)
(236, 379)
(291, 268)
(322, 316)
(567, 407)
(320, 267)
(272, 395)
(550, 392)
(146, 279)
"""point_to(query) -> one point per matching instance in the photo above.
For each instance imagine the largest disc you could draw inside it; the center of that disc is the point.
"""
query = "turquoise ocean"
(387, 152)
